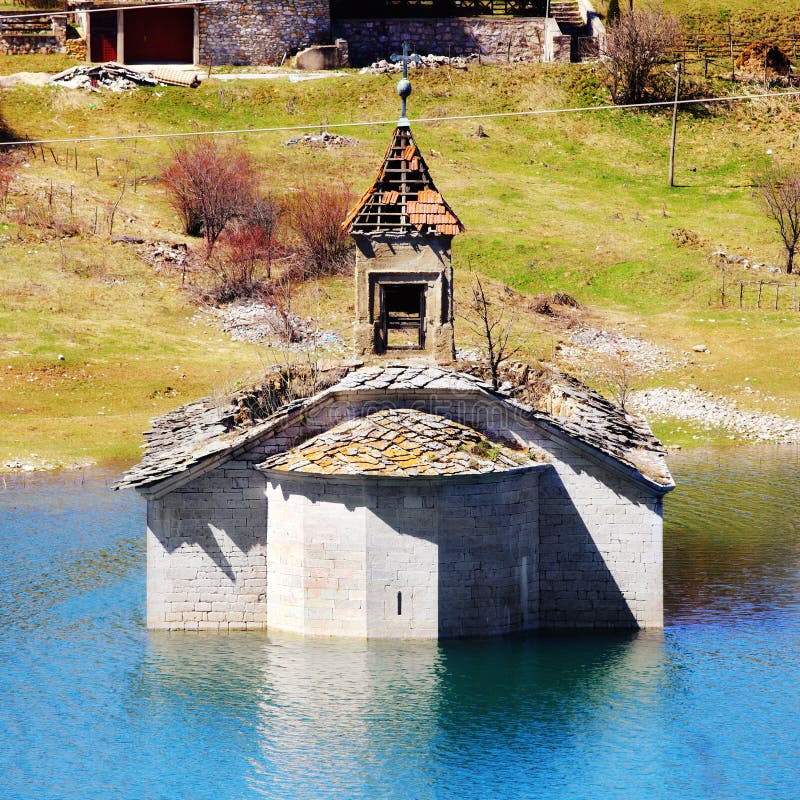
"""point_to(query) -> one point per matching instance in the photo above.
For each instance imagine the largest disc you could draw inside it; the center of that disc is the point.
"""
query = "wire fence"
(759, 295)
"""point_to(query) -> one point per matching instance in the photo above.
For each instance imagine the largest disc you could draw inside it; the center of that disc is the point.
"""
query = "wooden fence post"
(760, 287)
(777, 290)
(741, 294)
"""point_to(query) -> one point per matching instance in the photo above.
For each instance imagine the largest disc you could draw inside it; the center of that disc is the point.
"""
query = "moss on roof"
(399, 442)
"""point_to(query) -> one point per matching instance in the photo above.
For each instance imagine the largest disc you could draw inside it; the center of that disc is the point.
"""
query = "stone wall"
(207, 552)
(261, 31)
(22, 36)
(595, 562)
(495, 39)
(601, 545)
(405, 259)
(403, 558)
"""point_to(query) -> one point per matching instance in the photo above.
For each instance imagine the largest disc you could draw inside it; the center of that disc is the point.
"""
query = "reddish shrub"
(209, 185)
(317, 215)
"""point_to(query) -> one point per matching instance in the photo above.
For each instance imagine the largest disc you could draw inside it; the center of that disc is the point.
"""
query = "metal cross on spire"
(404, 85)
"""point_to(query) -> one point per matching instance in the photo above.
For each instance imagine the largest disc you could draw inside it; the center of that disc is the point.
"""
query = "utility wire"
(364, 124)
(64, 13)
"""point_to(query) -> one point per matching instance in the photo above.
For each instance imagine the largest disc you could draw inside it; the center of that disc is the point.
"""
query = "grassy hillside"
(574, 202)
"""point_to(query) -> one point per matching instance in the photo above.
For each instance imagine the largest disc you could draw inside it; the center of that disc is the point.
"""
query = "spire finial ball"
(404, 87)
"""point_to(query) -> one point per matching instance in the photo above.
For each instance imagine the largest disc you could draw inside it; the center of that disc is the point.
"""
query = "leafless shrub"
(778, 191)
(281, 294)
(112, 208)
(256, 237)
(618, 377)
(317, 214)
(209, 185)
(241, 264)
(488, 321)
(636, 44)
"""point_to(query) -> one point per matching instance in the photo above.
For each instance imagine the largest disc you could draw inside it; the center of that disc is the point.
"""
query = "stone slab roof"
(399, 442)
(201, 433)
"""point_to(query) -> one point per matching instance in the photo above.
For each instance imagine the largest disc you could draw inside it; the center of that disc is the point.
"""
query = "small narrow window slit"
(399, 603)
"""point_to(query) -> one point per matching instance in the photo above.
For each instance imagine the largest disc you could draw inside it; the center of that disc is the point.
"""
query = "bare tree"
(618, 375)
(636, 43)
(489, 322)
(778, 190)
(210, 185)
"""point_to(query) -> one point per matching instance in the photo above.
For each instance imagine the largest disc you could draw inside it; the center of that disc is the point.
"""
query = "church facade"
(408, 499)
(467, 514)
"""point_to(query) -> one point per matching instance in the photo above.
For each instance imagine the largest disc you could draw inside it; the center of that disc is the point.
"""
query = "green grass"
(36, 62)
(575, 203)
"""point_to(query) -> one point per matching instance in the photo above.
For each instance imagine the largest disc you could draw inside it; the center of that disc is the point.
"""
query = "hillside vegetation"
(570, 202)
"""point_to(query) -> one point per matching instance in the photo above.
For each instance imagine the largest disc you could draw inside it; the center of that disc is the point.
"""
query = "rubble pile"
(430, 61)
(165, 256)
(722, 259)
(323, 139)
(119, 78)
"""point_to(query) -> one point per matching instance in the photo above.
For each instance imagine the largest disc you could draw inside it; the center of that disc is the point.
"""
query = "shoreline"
(665, 403)
(713, 411)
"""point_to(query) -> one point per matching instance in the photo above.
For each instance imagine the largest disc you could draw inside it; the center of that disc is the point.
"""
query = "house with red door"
(239, 32)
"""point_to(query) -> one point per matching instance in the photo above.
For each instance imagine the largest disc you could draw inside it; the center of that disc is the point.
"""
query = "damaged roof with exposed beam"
(403, 198)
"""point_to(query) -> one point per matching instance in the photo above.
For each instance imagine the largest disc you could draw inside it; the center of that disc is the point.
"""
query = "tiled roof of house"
(202, 433)
(403, 198)
(399, 442)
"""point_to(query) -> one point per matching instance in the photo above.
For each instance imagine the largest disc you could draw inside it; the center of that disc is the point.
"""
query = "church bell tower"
(403, 230)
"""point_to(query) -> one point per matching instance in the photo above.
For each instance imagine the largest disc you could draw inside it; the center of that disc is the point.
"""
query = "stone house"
(403, 499)
(268, 31)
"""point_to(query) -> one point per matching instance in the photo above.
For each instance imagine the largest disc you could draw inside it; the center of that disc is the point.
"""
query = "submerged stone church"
(410, 499)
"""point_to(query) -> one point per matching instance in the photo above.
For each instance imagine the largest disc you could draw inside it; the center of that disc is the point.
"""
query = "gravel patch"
(704, 408)
(258, 323)
(584, 344)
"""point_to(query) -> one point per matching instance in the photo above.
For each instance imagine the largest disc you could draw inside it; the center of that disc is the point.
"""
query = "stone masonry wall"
(261, 31)
(24, 36)
(410, 558)
(405, 260)
(496, 40)
(206, 552)
(600, 533)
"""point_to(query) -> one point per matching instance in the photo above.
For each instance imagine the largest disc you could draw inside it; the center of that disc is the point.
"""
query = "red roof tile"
(403, 198)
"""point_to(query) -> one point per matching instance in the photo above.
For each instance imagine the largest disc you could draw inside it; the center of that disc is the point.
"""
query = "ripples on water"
(94, 706)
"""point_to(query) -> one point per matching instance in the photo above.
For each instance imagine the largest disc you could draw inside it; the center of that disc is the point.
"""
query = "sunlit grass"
(575, 203)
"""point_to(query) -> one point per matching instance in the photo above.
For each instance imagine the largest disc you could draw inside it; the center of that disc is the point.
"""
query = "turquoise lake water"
(93, 706)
